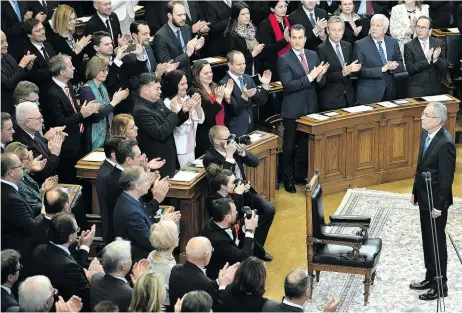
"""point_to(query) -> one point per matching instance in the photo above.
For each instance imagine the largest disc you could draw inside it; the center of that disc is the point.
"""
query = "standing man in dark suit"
(437, 155)
(441, 13)
(10, 274)
(424, 59)
(314, 20)
(7, 130)
(12, 19)
(217, 13)
(301, 73)
(239, 118)
(338, 91)
(380, 59)
(174, 40)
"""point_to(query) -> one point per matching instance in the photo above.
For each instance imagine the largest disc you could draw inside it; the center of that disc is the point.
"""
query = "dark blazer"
(132, 221)
(166, 47)
(329, 8)
(36, 7)
(12, 74)
(440, 13)
(331, 95)
(237, 116)
(64, 272)
(103, 172)
(212, 196)
(217, 13)
(440, 161)
(299, 17)
(11, 25)
(9, 302)
(155, 132)
(52, 160)
(95, 24)
(299, 94)
(235, 301)
(40, 233)
(372, 83)
(156, 16)
(258, 10)
(225, 248)
(112, 192)
(424, 78)
(188, 277)
(236, 42)
(107, 287)
(349, 35)
(273, 306)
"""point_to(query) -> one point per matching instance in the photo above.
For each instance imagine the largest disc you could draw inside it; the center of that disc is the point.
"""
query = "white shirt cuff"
(242, 154)
(220, 287)
(118, 62)
(310, 78)
(439, 211)
(249, 235)
(231, 161)
(85, 247)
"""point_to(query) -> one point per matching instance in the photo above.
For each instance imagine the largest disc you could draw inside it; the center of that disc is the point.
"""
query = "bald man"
(191, 276)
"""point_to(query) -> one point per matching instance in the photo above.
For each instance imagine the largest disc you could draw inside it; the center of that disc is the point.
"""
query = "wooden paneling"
(365, 146)
(334, 151)
(398, 143)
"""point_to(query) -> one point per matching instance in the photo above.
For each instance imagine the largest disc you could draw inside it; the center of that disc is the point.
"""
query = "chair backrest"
(314, 213)
(318, 211)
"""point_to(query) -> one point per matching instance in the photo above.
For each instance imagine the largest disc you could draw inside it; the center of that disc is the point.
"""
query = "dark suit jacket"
(225, 248)
(40, 233)
(217, 13)
(237, 116)
(9, 302)
(332, 93)
(156, 16)
(299, 17)
(166, 47)
(371, 82)
(36, 7)
(273, 306)
(132, 221)
(299, 94)
(440, 161)
(440, 13)
(95, 24)
(349, 35)
(424, 78)
(155, 132)
(107, 287)
(238, 201)
(235, 301)
(112, 192)
(103, 172)
(11, 25)
(12, 74)
(64, 272)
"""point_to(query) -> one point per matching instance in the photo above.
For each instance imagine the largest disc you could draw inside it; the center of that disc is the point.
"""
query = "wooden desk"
(439, 33)
(369, 148)
(74, 191)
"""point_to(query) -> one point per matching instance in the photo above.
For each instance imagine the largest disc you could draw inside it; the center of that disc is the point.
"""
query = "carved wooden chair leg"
(317, 276)
(310, 273)
(373, 277)
(367, 286)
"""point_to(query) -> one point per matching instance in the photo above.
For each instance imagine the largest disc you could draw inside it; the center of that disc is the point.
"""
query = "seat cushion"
(334, 254)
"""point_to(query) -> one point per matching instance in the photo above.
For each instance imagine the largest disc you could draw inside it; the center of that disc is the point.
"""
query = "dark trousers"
(294, 152)
(265, 213)
(390, 90)
(427, 242)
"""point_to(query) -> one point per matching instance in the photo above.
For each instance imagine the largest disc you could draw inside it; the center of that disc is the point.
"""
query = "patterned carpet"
(396, 221)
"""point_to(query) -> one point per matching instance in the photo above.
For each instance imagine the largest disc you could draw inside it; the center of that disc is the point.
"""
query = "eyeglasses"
(17, 270)
(36, 118)
(428, 116)
(19, 166)
(211, 251)
(54, 295)
(77, 230)
(421, 27)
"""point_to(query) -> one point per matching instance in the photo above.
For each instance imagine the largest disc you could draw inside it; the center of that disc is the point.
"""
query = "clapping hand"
(49, 183)
(123, 40)
(172, 215)
(324, 70)
(89, 108)
(87, 236)
(194, 101)
(287, 34)
(332, 305)
(352, 68)
(393, 65)
(54, 131)
(430, 54)
(317, 70)
(220, 93)
(320, 24)
(138, 269)
(199, 44)
(56, 143)
(266, 78)
(27, 59)
(119, 96)
(160, 189)
(436, 54)
(248, 93)
(257, 49)
(37, 164)
(74, 304)
(28, 15)
(82, 43)
(156, 163)
(226, 274)
(41, 16)
(95, 267)
(357, 30)
(229, 89)
(191, 46)
(200, 26)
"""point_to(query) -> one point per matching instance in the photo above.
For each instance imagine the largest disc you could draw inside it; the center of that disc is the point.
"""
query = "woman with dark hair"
(240, 35)
(245, 294)
(174, 88)
(212, 97)
(273, 32)
(353, 23)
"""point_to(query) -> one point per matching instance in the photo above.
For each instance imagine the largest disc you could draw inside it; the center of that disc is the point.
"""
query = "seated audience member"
(63, 39)
(62, 110)
(239, 118)
(229, 244)
(17, 224)
(123, 125)
(106, 306)
(273, 33)
(191, 275)
(424, 57)
(353, 22)
(25, 92)
(195, 301)
(164, 238)
(55, 260)
(403, 20)
(132, 218)
(233, 157)
(240, 35)
(338, 91)
(148, 293)
(7, 130)
(296, 294)
(184, 48)
(10, 274)
(174, 88)
(48, 146)
(375, 78)
(96, 126)
(212, 97)
(245, 293)
(156, 123)
(12, 73)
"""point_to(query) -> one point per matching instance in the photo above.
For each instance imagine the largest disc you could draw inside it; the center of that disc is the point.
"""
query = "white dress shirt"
(285, 301)
(104, 19)
(39, 47)
(308, 12)
(60, 84)
(7, 289)
(66, 249)
(237, 170)
(383, 47)
(236, 79)
(9, 183)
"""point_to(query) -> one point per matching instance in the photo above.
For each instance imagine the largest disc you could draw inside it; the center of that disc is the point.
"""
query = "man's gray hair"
(34, 293)
(23, 111)
(57, 64)
(335, 19)
(130, 177)
(440, 111)
(383, 18)
(23, 90)
(115, 254)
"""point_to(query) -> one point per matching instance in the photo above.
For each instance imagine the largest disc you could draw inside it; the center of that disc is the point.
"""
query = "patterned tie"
(382, 53)
(109, 29)
(426, 144)
(339, 55)
(45, 54)
(304, 63)
(16, 9)
(148, 63)
(241, 82)
(40, 147)
(68, 94)
(312, 20)
(425, 48)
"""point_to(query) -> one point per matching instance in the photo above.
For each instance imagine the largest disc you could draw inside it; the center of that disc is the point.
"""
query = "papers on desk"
(318, 117)
(210, 60)
(138, 7)
(358, 109)
(83, 19)
(198, 163)
(437, 98)
(255, 137)
(96, 156)
(185, 175)
(387, 104)
(331, 114)
(401, 101)
(454, 30)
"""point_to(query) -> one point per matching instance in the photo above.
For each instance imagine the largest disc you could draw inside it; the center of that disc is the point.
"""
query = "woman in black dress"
(355, 27)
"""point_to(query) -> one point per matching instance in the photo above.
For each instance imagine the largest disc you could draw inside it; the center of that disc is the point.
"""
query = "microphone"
(424, 175)
(429, 175)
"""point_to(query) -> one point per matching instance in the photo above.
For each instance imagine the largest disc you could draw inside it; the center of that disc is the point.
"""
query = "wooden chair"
(335, 252)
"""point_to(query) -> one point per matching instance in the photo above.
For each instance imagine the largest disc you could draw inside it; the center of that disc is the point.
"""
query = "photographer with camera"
(226, 153)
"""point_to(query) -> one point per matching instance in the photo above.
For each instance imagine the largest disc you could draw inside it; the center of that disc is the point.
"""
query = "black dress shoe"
(289, 186)
(432, 294)
(301, 181)
(425, 284)
(268, 257)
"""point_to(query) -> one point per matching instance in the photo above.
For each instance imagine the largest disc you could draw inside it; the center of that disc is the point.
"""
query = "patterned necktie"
(148, 63)
(40, 147)
(382, 53)
(304, 63)
(16, 9)
(241, 82)
(426, 144)
(68, 94)
(109, 29)
(425, 48)
(312, 20)
(339, 55)
(45, 54)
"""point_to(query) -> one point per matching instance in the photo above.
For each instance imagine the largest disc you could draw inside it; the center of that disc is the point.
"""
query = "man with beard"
(174, 40)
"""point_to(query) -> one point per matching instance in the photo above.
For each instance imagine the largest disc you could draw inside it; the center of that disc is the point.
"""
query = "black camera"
(242, 140)
(237, 181)
(248, 212)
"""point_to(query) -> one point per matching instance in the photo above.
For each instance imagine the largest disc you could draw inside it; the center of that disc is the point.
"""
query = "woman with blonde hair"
(148, 293)
(123, 125)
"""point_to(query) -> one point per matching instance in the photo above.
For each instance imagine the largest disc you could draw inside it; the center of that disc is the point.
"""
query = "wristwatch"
(249, 231)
